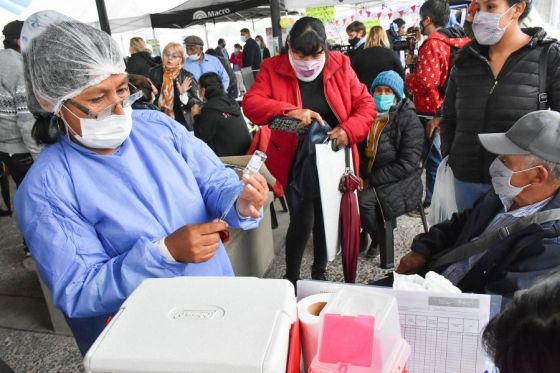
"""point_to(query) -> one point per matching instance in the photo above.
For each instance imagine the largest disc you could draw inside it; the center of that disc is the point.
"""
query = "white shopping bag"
(443, 199)
(330, 168)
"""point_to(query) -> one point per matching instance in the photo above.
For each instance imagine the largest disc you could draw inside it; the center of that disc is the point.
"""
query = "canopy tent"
(201, 11)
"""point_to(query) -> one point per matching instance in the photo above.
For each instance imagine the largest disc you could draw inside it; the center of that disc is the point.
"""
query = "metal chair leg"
(386, 246)
(284, 204)
(273, 218)
(423, 217)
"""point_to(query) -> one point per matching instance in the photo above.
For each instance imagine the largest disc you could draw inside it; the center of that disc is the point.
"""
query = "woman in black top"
(376, 57)
(220, 123)
(141, 60)
(265, 53)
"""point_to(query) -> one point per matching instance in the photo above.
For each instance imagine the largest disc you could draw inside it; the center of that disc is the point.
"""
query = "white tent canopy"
(127, 15)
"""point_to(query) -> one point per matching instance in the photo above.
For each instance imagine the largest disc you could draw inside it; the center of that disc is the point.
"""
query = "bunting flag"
(365, 14)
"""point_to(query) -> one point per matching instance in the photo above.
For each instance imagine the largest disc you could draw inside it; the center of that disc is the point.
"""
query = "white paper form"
(442, 329)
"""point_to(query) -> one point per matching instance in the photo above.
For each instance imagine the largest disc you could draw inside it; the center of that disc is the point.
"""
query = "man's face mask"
(486, 27)
(107, 133)
(353, 41)
(501, 181)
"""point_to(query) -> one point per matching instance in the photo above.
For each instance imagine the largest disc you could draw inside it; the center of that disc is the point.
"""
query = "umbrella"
(349, 221)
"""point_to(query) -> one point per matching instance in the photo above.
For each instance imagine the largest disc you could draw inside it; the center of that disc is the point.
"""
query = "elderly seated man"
(526, 180)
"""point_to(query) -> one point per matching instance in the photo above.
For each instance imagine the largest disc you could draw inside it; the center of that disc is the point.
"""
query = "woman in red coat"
(307, 83)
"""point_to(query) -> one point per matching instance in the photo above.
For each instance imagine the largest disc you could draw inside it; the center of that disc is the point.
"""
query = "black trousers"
(306, 215)
(18, 164)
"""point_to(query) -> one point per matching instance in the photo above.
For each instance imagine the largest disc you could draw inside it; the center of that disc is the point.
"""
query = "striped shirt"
(456, 271)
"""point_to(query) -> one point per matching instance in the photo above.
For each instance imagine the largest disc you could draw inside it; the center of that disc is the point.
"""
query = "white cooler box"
(199, 324)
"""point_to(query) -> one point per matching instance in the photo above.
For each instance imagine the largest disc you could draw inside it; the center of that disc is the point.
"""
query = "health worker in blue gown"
(116, 196)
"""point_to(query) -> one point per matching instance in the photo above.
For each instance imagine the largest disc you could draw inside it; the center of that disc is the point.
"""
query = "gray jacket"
(16, 121)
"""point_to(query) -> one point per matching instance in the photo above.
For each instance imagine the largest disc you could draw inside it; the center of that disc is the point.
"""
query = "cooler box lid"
(199, 324)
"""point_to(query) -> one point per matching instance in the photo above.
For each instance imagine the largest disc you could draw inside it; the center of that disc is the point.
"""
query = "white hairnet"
(63, 57)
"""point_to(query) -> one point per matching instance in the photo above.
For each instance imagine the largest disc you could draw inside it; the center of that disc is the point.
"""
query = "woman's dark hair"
(307, 36)
(212, 84)
(400, 22)
(211, 52)
(11, 44)
(47, 128)
(356, 26)
(237, 45)
(525, 337)
(437, 10)
(140, 82)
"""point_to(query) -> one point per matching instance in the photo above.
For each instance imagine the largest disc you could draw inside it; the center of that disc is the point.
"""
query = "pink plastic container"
(360, 333)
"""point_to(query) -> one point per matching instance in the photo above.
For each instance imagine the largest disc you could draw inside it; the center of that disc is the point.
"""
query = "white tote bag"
(443, 203)
(330, 168)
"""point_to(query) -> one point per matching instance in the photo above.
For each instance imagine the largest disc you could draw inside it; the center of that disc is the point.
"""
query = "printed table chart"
(440, 344)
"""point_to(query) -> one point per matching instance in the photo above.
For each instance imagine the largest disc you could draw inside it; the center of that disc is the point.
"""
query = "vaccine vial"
(255, 164)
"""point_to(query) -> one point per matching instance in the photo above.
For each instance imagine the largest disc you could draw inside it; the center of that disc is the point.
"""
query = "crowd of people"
(152, 130)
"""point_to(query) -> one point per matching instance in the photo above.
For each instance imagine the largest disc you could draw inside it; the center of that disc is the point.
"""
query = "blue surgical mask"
(384, 102)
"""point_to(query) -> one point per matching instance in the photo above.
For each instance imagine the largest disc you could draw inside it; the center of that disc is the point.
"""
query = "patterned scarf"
(167, 94)
(373, 139)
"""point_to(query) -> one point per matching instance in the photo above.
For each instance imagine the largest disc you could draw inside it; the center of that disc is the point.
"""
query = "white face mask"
(193, 57)
(108, 133)
(243, 38)
(501, 181)
(486, 27)
(307, 71)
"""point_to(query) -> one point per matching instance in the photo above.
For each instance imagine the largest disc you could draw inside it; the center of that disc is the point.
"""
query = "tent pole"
(206, 35)
(275, 18)
(103, 18)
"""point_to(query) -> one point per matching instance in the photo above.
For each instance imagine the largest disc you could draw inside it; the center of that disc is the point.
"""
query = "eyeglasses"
(108, 111)
(172, 56)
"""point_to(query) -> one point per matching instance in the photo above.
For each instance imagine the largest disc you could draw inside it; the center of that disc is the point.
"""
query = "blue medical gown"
(91, 220)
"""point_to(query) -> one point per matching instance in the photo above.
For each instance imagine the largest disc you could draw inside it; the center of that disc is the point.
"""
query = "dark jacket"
(252, 54)
(222, 126)
(353, 51)
(182, 112)
(370, 62)
(396, 170)
(476, 103)
(140, 63)
(265, 54)
(514, 264)
(232, 87)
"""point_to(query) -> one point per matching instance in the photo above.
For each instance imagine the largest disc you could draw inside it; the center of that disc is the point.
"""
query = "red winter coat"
(432, 70)
(236, 59)
(276, 91)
